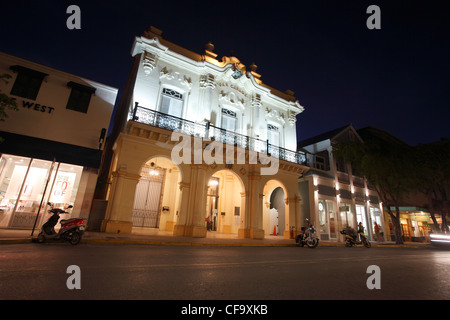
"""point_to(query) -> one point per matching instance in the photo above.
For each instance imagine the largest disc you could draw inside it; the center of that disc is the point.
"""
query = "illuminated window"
(229, 120)
(171, 103)
(273, 135)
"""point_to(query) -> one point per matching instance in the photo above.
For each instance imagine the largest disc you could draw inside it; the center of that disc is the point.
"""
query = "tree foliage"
(6, 103)
(432, 177)
(386, 162)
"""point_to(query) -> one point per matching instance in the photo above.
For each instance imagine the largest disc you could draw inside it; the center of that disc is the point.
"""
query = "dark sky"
(395, 79)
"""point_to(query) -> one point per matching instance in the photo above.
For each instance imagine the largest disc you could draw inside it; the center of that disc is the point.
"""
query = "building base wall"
(114, 226)
(256, 234)
(189, 231)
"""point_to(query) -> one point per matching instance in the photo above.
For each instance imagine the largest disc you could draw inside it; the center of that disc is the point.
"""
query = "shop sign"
(35, 106)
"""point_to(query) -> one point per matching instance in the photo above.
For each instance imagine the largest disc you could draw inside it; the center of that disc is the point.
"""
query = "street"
(110, 271)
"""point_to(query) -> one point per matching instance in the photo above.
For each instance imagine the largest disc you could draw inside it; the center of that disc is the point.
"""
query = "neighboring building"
(214, 107)
(53, 144)
(334, 196)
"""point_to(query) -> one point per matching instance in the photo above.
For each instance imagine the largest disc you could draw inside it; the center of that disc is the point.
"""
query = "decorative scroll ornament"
(231, 98)
(276, 115)
(207, 81)
(175, 75)
(256, 101)
(149, 63)
(291, 118)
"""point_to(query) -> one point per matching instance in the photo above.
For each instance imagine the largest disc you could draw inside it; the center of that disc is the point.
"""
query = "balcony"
(209, 131)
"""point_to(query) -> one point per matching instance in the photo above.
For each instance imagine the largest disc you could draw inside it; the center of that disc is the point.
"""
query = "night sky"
(395, 78)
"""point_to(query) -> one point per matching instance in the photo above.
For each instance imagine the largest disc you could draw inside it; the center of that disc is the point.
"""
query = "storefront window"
(361, 217)
(375, 215)
(327, 219)
(28, 184)
(31, 194)
(346, 213)
(332, 217)
(12, 174)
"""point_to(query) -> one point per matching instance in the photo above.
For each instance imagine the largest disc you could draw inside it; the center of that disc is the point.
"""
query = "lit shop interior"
(27, 185)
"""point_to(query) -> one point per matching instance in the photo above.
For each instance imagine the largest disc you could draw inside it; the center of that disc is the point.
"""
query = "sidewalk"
(156, 237)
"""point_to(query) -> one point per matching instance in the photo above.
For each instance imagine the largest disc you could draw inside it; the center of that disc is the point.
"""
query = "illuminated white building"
(52, 145)
(334, 196)
(215, 106)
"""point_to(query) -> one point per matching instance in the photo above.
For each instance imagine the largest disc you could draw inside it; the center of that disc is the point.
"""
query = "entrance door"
(148, 198)
(273, 226)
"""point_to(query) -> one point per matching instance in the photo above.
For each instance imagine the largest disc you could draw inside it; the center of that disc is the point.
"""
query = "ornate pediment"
(276, 115)
(231, 98)
(170, 75)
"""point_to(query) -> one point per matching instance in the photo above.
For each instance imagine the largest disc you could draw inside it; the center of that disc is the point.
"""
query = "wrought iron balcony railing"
(209, 131)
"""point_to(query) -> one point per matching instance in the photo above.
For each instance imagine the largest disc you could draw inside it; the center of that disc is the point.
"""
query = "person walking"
(377, 231)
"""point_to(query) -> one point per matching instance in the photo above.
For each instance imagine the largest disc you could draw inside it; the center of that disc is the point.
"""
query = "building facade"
(204, 146)
(52, 145)
(334, 196)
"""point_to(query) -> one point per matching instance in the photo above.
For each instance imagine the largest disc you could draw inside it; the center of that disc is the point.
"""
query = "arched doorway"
(157, 195)
(275, 209)
(225, 203)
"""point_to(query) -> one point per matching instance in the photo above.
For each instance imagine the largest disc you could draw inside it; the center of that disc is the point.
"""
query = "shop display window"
(347, 218)
(26, 185)
(361, 217)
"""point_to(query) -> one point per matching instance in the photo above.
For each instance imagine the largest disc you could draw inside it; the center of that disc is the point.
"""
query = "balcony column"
(180, 227)
(254, 215)
(191, 221)
(199, 201)
(295, 215)
(120, 204)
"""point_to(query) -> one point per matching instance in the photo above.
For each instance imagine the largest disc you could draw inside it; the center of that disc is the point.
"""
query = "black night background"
(394, 78)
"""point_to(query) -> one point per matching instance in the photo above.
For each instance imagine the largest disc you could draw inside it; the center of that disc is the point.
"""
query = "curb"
(200, 244)
(11, 241)
(187, 243)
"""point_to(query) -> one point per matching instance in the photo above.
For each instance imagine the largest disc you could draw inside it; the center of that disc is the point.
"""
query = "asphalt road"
(40, 271)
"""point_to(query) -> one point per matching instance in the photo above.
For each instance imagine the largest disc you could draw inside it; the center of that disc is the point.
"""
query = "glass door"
(332, 218)
(323, 221)
(361, 217)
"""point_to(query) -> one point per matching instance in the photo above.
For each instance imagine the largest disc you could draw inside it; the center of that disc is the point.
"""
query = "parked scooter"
(308, 236)
(351, 238)
(71, 229)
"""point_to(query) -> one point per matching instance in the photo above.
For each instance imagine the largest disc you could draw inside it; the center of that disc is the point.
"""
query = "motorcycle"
(351, 238)
(71, 229)
(307, 237)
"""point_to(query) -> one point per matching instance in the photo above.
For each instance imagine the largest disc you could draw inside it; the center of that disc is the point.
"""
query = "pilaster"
(120, 205)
